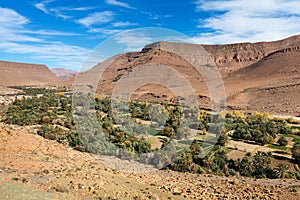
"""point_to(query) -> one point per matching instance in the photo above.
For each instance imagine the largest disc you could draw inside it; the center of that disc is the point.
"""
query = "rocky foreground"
(32, 167)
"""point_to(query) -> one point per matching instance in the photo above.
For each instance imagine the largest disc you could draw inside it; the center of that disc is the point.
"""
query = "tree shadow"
(277, 157)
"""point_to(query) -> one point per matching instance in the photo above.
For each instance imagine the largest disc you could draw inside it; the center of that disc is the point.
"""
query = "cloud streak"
(119, 3)
(154, 16)
(42, 6)
(134, 40)
(10, 18)
(243, 20)
(96, 18)
(58, 11)
(124, 24)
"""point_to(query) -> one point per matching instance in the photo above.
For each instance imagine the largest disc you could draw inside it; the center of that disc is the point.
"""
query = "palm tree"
(281, 171)
(223, 139)
(246, 166)
(282, 141)
(296, 152)
(262, 161)
(216, 161)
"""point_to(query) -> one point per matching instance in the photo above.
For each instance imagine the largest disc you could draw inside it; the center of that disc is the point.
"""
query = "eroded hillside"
(243, 67)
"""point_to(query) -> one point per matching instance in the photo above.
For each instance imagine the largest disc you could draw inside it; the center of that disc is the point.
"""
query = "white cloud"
(58, 11)
(244, 20)
(154, 16)
(105, 31)
(133, 41)
(42, 6)
(77, 8)
(124, 24)
(57, 53)
(50, 11)
(253, 7)
(11, 26)
(112, 29)
(45, 50)
(118, 3)
(50, 33)
(19, 40)
(96, 18)
(10, 18)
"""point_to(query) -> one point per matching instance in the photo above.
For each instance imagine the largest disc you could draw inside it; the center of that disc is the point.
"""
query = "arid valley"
(254, 143)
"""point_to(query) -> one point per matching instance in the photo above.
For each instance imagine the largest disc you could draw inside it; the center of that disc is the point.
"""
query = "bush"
(296, 152)
(168, 131)
(223, 139)
(282, 141)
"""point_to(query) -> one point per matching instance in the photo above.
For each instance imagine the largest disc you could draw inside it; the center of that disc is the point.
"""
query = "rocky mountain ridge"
(242, 66)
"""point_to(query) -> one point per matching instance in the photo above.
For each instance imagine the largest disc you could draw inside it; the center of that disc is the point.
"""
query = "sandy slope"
(13, 74)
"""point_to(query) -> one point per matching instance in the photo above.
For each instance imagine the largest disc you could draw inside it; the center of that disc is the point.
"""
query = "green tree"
(216, 161)
(281, 171)
(223, 139)
(296, 152)
(142, 146)
(246, 165)
(282, 141)
(262, 161)
(168, 131)
(183, 163)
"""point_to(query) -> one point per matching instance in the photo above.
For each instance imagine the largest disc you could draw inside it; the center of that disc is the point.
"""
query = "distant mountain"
(16, 74)
(63, 74)
(278, 64)
(263, 76)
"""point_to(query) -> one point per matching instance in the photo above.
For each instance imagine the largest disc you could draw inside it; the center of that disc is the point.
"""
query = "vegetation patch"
(206, 154)
(274, 146)
(153, 132)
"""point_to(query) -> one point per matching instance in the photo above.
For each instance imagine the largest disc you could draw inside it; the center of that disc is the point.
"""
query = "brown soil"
(235, 154)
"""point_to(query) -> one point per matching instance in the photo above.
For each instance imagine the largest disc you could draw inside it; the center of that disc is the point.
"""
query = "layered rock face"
(232, 57)
(242, 66)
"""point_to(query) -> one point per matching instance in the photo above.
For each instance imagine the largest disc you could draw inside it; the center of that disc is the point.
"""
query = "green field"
(273, 146)
(153, 132)
(295, 137)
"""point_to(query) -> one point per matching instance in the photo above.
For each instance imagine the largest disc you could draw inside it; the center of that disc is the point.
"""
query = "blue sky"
(62, 33)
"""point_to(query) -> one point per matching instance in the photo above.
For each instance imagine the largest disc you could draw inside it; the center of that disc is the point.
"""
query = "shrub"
(223, 139)
(168, 131)
(296, 152)
(282, 141)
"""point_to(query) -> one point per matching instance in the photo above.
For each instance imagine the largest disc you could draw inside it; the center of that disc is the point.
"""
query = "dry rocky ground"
(32, 167)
